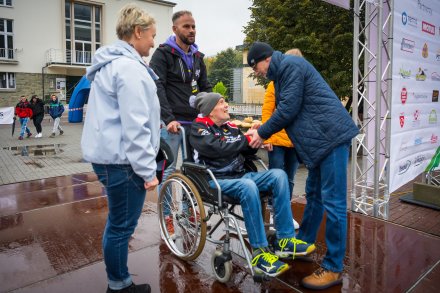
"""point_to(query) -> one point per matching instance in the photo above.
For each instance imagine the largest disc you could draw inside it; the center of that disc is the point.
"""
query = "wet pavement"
(51, 231)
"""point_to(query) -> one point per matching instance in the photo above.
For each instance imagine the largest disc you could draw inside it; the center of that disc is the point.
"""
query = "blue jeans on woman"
(326, 189)
(247, 190)
(284, 158)
(125, 195)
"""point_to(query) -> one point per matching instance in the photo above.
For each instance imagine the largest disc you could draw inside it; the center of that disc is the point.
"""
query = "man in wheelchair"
(221, 146)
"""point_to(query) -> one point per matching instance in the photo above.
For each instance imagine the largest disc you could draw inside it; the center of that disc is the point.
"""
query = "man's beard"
(186, 41)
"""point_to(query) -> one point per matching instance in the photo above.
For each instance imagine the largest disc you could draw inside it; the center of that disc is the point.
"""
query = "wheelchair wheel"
(221, 269)
(185, 213)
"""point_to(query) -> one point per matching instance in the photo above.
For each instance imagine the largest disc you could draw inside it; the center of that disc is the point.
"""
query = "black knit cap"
(258, 51)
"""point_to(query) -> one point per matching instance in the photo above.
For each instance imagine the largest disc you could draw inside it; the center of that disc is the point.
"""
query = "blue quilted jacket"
(313, 116)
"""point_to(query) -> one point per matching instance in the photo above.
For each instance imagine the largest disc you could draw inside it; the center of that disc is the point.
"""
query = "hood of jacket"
(187, 57)
(107, 54)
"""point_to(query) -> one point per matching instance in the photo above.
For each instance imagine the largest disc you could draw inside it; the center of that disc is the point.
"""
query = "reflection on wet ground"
(37, 150)
(51, 232)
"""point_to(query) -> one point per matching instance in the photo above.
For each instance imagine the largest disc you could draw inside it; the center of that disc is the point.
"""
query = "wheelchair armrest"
(203, 180)
(250, 162)
(252, 157)
(195, 166)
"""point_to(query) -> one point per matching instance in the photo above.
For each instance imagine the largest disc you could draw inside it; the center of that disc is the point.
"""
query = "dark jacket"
(23, 109)
(37, 107)
(222, 148)
(174, 84)
(56, 109)
(313, 116)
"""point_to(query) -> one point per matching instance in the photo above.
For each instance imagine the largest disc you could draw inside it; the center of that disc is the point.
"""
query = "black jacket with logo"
(221, 148)
(174, 84)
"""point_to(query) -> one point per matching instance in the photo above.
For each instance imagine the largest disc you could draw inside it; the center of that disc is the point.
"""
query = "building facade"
(245, 89)
(46, 45)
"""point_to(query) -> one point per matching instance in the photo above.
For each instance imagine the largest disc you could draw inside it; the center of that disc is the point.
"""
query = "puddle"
(37, 150)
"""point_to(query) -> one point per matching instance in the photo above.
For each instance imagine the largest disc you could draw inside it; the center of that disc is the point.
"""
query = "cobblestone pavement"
(45, 157)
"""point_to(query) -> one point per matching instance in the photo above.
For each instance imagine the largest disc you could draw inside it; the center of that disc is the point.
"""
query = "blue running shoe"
(293, 247)
(267, 263)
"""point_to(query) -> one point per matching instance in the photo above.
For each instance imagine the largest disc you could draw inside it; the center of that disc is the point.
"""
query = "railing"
(6, 53)
(245, 109)
(66, 57)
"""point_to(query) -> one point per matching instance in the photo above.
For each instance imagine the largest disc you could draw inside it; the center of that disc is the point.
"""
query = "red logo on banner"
(403, 95)
(402, 119)
(428, 28)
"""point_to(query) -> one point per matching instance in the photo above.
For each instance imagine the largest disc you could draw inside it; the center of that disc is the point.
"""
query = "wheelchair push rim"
(188, 214)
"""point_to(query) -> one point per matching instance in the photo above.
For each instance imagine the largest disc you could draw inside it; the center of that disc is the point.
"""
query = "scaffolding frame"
(372, 62)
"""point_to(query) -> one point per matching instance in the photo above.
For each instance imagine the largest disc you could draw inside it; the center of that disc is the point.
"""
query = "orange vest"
(279, 138)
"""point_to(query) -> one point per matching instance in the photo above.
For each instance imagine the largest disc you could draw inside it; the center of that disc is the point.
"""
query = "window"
(6, 3)
(83, 31)
(6, 39)
(7, 80)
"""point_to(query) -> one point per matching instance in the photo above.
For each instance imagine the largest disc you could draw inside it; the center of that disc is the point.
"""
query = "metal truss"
(372, 84)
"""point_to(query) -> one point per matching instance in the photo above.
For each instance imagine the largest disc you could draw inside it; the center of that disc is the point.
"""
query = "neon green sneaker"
(293, 247)
(267, 263)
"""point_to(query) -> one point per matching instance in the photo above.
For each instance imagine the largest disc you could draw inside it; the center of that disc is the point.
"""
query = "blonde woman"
(121, 135)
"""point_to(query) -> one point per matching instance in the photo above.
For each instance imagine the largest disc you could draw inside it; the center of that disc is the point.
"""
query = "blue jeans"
(247, 190)
(23, 123)
(174, 141)
(284, 158)
(326, 189)
(125, 195)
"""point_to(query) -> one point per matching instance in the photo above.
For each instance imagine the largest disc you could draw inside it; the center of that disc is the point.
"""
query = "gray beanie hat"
(205, 102)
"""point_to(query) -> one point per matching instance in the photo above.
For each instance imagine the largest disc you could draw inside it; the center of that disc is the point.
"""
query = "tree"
(323, 32)
(221, 89)
(221, 68)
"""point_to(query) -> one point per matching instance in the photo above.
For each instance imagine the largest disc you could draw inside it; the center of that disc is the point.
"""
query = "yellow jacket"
(279, 138)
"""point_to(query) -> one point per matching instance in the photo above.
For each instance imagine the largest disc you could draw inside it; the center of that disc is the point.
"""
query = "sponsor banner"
(415, 106)
(6, 115)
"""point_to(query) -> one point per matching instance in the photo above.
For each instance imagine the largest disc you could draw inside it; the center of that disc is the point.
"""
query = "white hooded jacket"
(122, 124)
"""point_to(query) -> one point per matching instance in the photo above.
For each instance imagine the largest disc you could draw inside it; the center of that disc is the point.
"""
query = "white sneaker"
(38, 135)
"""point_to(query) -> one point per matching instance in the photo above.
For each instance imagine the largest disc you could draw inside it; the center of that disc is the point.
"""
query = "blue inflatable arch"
(77, 100)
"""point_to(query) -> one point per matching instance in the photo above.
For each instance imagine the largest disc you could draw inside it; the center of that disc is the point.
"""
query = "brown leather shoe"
(322, 279)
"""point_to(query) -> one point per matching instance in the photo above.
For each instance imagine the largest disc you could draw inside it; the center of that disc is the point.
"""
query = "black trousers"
(37, 122)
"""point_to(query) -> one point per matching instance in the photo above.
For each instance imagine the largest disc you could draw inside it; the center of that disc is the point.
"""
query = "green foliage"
(220, 68)
(323, 32)
(221, 89)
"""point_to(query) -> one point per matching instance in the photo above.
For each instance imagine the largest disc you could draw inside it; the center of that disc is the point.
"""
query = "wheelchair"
(187, 197)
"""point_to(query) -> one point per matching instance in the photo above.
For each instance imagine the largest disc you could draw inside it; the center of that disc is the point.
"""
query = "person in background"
(221, 146)
(37, 106)
(322, 130)
(182, 74)
(24, 112)
(281, 151)
(56, 109)
(121, 135)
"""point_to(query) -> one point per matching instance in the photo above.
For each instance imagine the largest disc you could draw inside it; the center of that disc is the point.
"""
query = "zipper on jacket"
(182, 70)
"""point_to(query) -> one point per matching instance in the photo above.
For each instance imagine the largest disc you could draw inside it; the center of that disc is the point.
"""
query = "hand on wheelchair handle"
(150, 186)
(173, 127)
